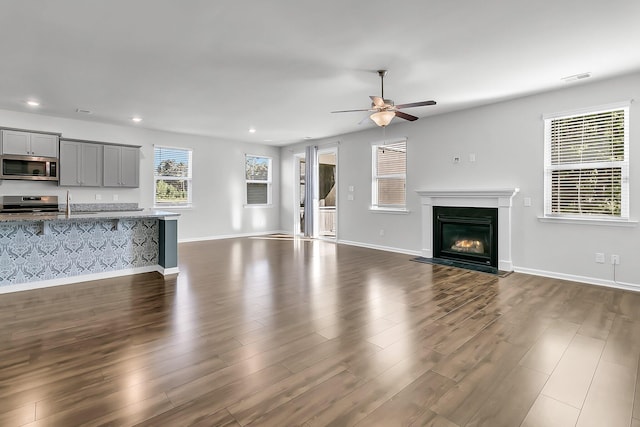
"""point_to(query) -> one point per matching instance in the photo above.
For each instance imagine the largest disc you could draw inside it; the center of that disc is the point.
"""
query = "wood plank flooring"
(284, 332)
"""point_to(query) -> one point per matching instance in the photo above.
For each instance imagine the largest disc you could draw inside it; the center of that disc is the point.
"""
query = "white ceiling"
(219, 67)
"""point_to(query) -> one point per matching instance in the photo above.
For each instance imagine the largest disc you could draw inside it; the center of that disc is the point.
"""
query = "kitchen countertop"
(134, 214)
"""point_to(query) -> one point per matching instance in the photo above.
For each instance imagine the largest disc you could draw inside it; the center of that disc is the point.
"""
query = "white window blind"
(172, 176)
(587, 164)
(258, 180)
(389, 175)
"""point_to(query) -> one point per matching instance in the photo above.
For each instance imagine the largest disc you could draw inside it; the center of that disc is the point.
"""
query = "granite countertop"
(129, 214)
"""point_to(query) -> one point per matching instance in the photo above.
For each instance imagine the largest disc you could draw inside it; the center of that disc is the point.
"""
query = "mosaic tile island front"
(55, 248)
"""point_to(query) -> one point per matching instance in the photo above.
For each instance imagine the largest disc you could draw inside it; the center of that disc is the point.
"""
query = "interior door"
(327, 212)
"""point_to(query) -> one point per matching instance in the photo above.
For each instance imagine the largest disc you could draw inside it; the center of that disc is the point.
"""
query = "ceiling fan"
(384, 110)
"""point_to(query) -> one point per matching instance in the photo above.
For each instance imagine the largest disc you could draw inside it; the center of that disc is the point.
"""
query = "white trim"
(268, 181)
(375, 177)
(579, 279)
(189, 179)
(623, 165)
(390, 141)
(379, 248)
(262, 205)
(168, 271)
(378, 209)
(83, 278)
(231, 236)
(589, 221)
(297, 157)
(502, 199)
(172, 147)
(588, 110)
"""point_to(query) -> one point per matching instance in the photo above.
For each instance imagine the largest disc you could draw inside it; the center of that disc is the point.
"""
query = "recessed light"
(252, 130)
(33, 103)
(307, 137)
(136, 119)
(268, 140)
(575, 77)
(83, 111)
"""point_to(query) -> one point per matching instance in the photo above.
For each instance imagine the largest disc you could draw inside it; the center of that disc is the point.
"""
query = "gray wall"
(507, 140)
(218, 176)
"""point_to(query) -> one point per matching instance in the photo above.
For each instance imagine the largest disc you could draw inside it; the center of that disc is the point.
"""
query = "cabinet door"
(44, 145)
(16, 142)
(129, 166)
(91, 165)
(111, 166)
(69, 164)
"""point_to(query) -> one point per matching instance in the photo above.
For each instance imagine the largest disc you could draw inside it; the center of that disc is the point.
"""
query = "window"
(172, 176)
(258, 177)
(389, 175)
(587, 163)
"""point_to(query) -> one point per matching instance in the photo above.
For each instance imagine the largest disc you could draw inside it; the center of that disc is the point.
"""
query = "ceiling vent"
(576, 77)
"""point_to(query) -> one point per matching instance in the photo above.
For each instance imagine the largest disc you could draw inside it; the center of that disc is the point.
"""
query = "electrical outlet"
(115, 197)
(527, 203)
(599, 257)
(456, 159)
(472, 157)
(98, 196)
(381, 232)
(350, 197)
(615, 259)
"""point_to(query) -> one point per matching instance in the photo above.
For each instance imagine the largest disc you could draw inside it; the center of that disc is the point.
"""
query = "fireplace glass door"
(466, 234)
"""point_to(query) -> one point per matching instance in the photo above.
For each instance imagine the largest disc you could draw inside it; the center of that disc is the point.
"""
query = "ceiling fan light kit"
(384, 110)
(382, 118)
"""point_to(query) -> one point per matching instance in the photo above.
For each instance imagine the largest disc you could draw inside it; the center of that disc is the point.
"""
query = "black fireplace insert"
(466, 234)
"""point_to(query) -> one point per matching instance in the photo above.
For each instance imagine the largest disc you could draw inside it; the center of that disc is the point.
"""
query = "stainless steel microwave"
(30, 168)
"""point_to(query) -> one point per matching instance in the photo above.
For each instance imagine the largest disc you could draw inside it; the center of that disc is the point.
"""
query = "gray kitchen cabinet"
(121, 166)
(80, 163)
(29, 143)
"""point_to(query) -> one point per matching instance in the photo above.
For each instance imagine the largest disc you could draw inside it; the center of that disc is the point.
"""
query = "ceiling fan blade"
(416, 104)
(351, 111)
(406, 116)
(377, 101)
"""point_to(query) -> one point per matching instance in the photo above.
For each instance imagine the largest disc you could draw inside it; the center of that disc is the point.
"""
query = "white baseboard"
(5, 289)
(379, 247)
(581, 279)
(167, 271)
(229, 236)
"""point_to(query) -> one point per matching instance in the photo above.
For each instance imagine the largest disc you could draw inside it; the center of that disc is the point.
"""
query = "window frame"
(268, 181)
(623, 165)
(375, 205)
(189, 179)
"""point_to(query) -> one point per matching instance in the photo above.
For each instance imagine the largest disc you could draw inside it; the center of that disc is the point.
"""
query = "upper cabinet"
(80, 163)
(29, 143)
(121, 166)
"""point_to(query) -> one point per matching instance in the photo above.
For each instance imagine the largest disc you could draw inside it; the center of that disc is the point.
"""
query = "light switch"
(527, 201)
(351, 188)
(350, 197)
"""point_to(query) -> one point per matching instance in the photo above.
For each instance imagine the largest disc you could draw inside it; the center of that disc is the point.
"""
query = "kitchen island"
(40, 250)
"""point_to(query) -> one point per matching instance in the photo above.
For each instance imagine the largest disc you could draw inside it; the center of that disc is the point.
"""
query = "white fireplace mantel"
(502, 199)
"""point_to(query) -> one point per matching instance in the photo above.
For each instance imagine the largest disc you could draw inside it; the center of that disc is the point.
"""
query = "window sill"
(170, 207)
(590, 221)
(389, 210)
(270, 205)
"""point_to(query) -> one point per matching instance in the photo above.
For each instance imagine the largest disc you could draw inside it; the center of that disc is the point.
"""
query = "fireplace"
(467, 234)
(500, 199)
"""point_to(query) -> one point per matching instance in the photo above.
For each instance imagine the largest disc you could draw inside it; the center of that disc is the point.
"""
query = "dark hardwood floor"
(277, 332)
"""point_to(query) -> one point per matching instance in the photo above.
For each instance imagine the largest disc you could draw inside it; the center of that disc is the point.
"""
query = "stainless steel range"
(29, 204)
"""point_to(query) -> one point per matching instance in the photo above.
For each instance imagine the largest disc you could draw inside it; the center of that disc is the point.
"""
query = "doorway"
(322, 176)
(327, 192)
